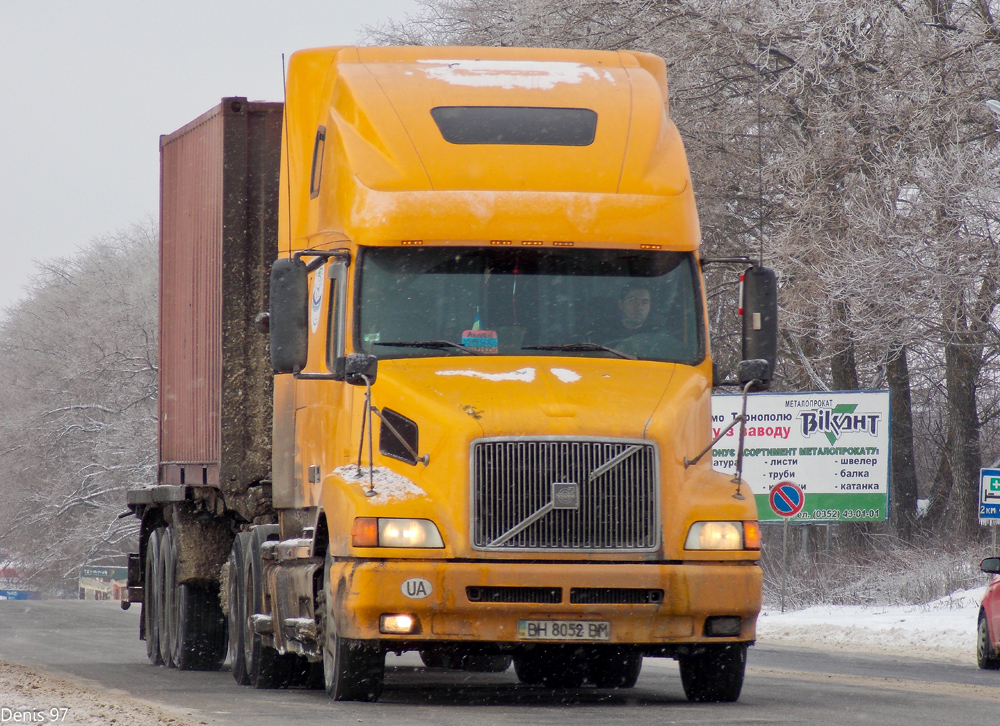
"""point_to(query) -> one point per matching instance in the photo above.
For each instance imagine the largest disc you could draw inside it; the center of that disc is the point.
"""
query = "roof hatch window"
(516, 125)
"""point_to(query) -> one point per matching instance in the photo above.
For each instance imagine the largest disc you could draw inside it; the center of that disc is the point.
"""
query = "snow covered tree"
(78, 395)
(846, 143)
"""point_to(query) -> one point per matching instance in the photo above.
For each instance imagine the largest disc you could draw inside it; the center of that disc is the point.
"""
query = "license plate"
(563, 630)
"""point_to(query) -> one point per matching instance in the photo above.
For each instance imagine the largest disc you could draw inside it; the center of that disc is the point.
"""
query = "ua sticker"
(416, 588)
(317, 299)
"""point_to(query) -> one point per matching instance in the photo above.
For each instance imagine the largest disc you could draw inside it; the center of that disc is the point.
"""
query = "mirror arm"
(738, 477)
(730, 382)
(691, 462)
(738, 260)
(367, 415)
(321, 256)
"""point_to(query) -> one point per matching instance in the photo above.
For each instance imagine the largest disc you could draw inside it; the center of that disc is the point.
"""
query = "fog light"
(399, 624)
(725, 626)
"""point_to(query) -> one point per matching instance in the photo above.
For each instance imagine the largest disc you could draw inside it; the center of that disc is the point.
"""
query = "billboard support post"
(784, 562)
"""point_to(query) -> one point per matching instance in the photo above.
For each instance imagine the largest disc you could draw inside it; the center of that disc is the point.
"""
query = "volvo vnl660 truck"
(435, 376)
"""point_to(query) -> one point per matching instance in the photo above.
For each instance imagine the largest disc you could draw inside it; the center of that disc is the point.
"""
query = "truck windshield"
(455, 301)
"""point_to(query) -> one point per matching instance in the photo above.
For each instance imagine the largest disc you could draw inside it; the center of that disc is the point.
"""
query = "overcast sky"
(86, 89)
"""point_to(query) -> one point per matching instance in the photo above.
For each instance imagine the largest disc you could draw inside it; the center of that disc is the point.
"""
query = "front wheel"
(714, 673)
(986, 655)
(353, 670)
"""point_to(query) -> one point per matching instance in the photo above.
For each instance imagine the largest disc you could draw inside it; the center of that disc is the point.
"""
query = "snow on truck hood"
(389, 486)
(559, 396)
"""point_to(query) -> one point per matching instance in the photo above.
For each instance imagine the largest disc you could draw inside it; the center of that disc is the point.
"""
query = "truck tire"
(200, 629)
(553, 666)
(714, 673)
(353, 670)
(194, 630)
(986, 655)
(165, 583)
(151, 598)
(238, 609)
(265, 666)
(614, 667)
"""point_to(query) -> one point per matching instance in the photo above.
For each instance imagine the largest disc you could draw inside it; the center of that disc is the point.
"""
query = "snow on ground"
(28, 696)
(944, 629)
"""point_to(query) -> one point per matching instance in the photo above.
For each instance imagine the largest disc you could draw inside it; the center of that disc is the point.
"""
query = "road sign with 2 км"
(989, 496)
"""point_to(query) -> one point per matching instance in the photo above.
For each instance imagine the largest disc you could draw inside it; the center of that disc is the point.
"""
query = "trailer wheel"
(614, 667)
(265, 666)
(714, 673)
(165, 599)
(353, 670)
(200, 632)
(554, 666)
(238, 609)
(151, 599)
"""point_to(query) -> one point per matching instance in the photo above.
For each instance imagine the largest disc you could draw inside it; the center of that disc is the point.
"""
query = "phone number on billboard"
(846, 513)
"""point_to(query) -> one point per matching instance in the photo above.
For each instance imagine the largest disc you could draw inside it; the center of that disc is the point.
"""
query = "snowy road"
(92, 651)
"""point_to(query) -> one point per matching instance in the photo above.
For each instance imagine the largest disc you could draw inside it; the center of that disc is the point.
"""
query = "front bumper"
(363, 590)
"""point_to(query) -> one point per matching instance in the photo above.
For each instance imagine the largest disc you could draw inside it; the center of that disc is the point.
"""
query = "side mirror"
(358, 365)
(751, 370)
(991, 565)
(289, 317)
(759, 304)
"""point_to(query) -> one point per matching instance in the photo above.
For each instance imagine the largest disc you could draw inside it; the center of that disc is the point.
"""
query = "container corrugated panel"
(218, 236)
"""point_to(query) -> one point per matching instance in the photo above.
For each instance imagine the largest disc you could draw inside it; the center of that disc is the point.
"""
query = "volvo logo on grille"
(565, 495)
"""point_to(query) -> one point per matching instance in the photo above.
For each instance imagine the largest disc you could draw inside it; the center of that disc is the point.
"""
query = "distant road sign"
(787, 499)
(989, 496)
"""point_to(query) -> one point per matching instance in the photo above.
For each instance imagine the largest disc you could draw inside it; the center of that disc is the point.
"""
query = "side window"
(315, 178)
(336, 317)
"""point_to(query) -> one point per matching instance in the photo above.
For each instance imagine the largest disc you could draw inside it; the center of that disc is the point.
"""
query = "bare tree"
(78, 392)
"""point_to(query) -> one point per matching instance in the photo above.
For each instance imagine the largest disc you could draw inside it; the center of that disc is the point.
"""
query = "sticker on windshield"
(317, 298)
(481, 341)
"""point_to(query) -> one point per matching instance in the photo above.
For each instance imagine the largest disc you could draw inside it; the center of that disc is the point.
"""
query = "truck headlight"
(384, 532)
(723, 536)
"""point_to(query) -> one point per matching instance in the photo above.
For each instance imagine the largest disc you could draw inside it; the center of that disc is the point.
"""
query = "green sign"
(104, 573)
(833, 445)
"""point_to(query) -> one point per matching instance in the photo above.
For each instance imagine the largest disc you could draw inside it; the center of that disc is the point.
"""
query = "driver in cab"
(633, 307)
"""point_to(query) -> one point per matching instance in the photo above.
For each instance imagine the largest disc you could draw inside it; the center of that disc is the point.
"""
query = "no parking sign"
(787, 499)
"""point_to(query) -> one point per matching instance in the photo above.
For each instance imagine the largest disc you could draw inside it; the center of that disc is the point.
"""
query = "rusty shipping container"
(219, 178)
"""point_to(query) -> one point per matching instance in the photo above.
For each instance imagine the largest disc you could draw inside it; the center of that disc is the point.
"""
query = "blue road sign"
(787, 499)
(989, 496)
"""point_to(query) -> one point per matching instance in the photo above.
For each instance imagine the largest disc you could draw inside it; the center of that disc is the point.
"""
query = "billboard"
(833, 445)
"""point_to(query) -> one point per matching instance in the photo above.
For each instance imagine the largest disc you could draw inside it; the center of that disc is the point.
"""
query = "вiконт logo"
(839, 420)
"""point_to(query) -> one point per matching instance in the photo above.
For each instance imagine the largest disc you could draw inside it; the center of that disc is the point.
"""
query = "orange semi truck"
(435, 376)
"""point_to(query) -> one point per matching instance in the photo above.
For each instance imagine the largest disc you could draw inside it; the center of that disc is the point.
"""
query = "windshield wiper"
(582, 347)
(437, 344)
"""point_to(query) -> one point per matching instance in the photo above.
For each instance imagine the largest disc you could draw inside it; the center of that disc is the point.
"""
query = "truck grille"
(562, 494)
